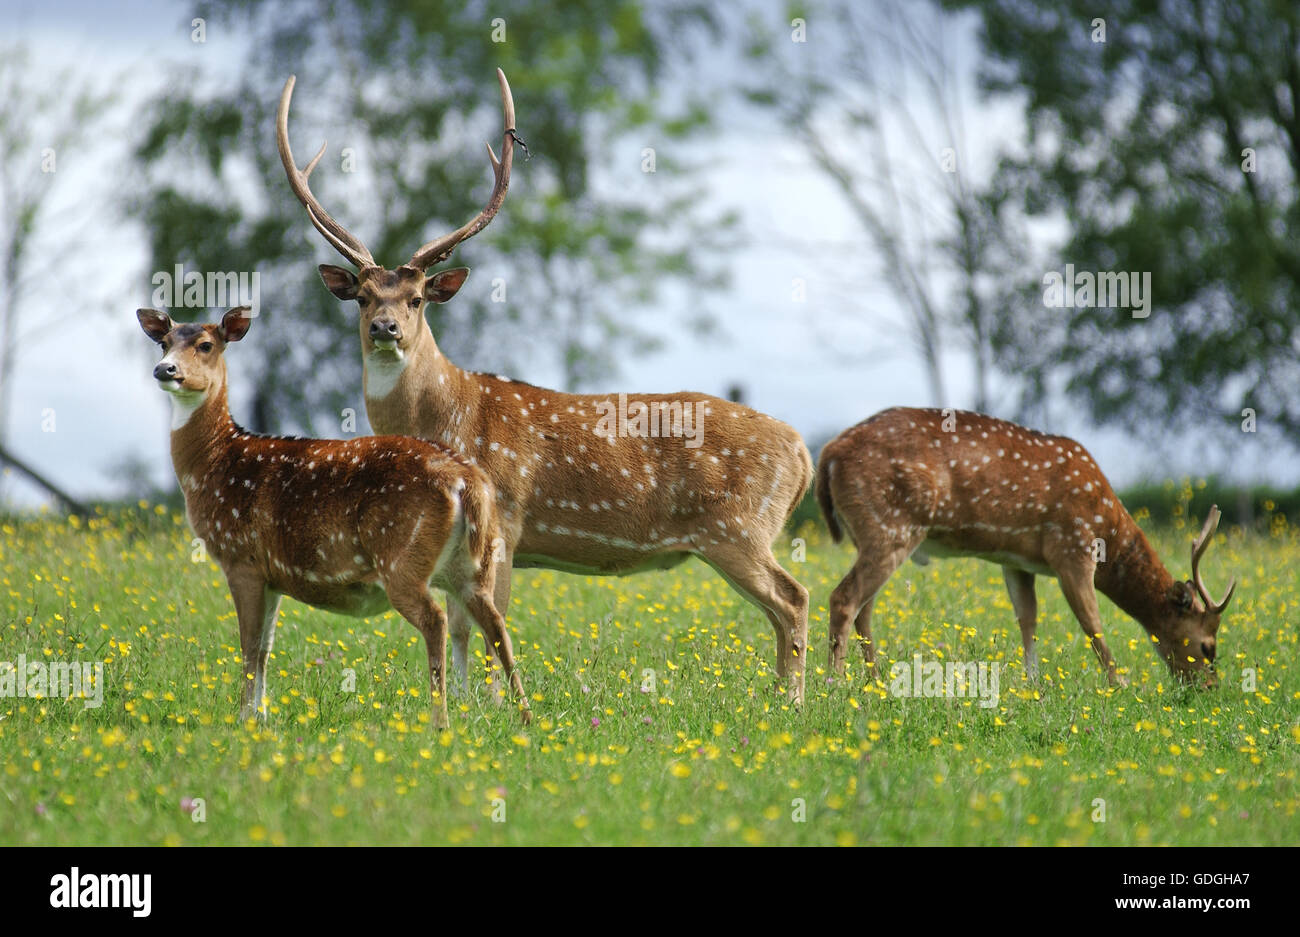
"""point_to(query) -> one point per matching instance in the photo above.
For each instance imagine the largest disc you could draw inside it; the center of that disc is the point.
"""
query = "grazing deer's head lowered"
(586, 482)
(352, 526)
(1189, 623)
(920, 483)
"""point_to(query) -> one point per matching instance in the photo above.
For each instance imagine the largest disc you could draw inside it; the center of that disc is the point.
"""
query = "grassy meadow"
(656, 722)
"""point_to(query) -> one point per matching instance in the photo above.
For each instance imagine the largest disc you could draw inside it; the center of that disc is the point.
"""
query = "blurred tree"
(408, 93)
(871, 91)
(1167, 134)
(42, 116)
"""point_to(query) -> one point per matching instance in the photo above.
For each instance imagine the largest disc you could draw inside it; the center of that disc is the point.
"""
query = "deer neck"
(201, 431)
(1133, 577)
(417, 395)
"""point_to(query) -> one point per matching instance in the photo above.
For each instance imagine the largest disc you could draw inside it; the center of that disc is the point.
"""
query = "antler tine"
(342, 240)
(440, 249)
(1199, 546)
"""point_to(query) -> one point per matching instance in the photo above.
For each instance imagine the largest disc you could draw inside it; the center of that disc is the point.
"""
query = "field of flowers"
(656, 721)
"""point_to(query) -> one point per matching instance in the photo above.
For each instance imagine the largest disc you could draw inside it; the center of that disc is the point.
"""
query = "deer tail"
(477, 502)
(824, 496)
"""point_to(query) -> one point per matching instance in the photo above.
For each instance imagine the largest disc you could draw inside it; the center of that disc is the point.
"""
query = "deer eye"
(416, 301)
(205, 347)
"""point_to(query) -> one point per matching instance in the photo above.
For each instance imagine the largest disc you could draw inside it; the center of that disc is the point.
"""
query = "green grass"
(711, 755)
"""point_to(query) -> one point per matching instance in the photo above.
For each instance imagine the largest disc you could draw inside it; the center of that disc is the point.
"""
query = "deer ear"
(235, 324)
(443, 286)
(155, 324)
(1180, 593)
(342, 283)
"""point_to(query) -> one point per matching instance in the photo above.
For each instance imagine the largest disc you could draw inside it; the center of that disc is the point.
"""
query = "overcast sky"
(821, 365)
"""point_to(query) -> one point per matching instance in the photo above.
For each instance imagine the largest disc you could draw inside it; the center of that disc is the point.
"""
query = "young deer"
(577, 491)
(925, 483)
(345, 525)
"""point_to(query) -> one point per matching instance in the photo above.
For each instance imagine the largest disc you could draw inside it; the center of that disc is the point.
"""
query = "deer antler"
(346, 243)
(1199, 547)
(439, 249)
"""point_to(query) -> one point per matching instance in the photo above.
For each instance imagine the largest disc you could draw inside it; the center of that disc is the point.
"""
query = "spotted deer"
(351, 526)
(924, 483)
(580, 488)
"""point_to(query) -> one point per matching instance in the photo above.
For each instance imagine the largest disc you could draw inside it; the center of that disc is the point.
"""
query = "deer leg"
(407, 586)
(256, 606)
(852, 600)
(462, 624)
(271, 611)
(1020, 586)
(479, 604)
(862, 625)
(435, 640)
(501, 605)
(414, 603)
(1076, 583)
(460, 629)
(762, 580)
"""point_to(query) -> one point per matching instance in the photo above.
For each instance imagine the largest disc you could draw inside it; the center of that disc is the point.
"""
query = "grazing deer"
(350, 526)
(926, 483)
(577, 491)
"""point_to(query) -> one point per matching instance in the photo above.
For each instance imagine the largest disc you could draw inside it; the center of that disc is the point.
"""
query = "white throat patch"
(382, 374)
(183, 407)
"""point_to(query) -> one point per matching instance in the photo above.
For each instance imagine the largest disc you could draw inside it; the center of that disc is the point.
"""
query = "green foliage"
(1139, 142)
(709, 754)
(409, 89)
(1251, 506)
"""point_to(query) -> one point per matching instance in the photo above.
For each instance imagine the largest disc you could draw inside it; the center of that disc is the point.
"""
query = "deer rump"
(900, 492)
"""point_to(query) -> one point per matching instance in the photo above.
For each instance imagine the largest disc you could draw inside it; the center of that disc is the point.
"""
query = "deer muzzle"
(166, 371)
(385, 331)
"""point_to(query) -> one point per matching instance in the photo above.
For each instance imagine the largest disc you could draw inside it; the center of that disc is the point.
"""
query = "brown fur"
(949, 482)
(574, 500)
(568, 498)
(351, 526)
(826, 502)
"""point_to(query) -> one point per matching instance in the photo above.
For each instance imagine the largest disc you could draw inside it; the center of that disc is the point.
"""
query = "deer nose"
(1208, 649)
(165, 371)
(384, 330)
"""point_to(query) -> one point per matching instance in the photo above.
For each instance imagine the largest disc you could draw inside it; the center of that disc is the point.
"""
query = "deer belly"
(940, 548)
(358, 599)
(579, 546)
(612, 564)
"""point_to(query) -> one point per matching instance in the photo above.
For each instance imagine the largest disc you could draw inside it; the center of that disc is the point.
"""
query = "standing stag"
(926, 483)
(350, 526)
(667, 477)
